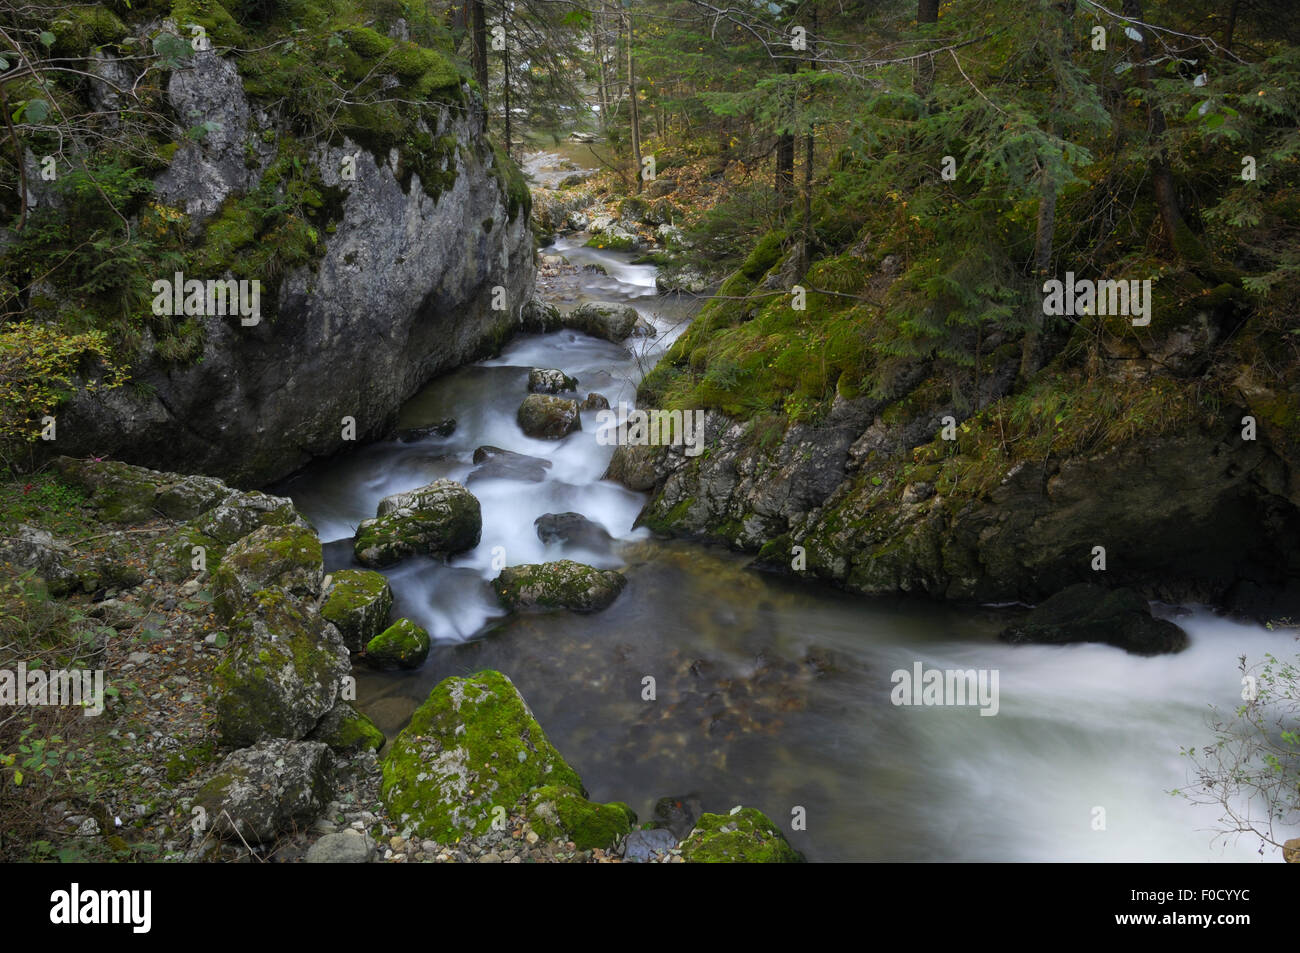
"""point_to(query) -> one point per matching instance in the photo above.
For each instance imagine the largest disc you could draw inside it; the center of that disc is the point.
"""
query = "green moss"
(78, 30)
(557, 812)
(519, 198)
(358, 605)
(611, 242)
(746, 837)
(402, 645)
(766, 253)
(471, 747)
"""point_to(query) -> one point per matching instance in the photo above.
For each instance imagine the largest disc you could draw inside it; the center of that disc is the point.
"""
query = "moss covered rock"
(473, 746)
(269, 789)
(548, 417)
(603, 319)
(550, 380)
(282, 673)
(122, 493)
(240, 514)
(744, 837)
(347, 730)
(563, 584)
(557, 812)
(283, 557)
(436, 520)
(402, 645)
(357, 601)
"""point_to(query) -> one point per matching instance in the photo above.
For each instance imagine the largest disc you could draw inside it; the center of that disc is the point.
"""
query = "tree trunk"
(505, 59)
(633, 111)
(785, 149)
(598, 41)
(478, 45)
(927, 11)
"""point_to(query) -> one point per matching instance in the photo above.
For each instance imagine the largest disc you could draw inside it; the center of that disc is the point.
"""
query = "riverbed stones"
(604, 319)
(548, 417)
(283, 671)
(558, 812)
(402, 645)
(1090, 613)
(440, 519)
(745, 836)
(268, 789)
(357, 601)
(347, 731)
(285, 557)
(563, 584)
(550, 380)
(472, 747)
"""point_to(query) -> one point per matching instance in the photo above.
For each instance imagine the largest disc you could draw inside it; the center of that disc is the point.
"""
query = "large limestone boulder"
(563, 584)
(440, 519)
(284, 557)
(283, 671)
(473, 746)
(268, 789)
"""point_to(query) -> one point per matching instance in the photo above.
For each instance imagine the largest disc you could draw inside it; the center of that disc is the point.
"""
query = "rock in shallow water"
(549, 380)
(563, 584)
(358, 602)
(402, 645)
(541, 415)
(498, 464)
(440, 519)
(1091, 613)
(744, 837)
(574, 529)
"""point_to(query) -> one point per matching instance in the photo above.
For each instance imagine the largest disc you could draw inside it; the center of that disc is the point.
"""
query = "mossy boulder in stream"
(357, 601)
(402, 645)
(285, 557)
(473, 746)
(1089, 613)
(548, 417)
(604, 319)
(440, 519)
(557, 812)
(744, 837)
(563, 584)
(283, 672)
(550, 380)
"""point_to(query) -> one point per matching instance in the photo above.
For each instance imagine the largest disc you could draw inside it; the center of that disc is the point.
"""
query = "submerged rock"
(473, 746)
(440, 519)
(443, 428)
(402, 645)
(558, 812)
(283, 672)
(563, 584)
(358, 602)
(1091, 613)
(498, 464)
(678, 814)
(268, 789)
(574, 529)
(541, 415)
(549, 380)
(745, 837)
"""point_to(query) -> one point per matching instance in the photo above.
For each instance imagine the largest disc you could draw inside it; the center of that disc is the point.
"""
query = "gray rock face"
(403, 292)
(260, 792)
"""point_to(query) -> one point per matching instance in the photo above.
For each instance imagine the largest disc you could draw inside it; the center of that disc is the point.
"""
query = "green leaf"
(47, 38)
(36, 110)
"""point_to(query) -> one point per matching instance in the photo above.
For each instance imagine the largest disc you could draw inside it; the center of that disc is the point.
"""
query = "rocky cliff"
(399, 286)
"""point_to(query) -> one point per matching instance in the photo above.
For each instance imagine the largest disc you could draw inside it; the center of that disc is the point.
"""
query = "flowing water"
(770, 692)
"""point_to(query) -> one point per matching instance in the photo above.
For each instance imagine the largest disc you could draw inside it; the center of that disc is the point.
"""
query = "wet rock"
(594, 402)
(402, 645)
(603, 319)
(743, 837)
(268, 789)
(282, 673)
(678, 814)
(349, 847)
(472, 746)
(541, 415)
(549, 380)
(347, 731)
(357, 601)
(563, 584)
(574, 529)
(440, 519)
(641, 847)
(1090, 613)
(633, 466)
(443, 428)
(498, 464)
